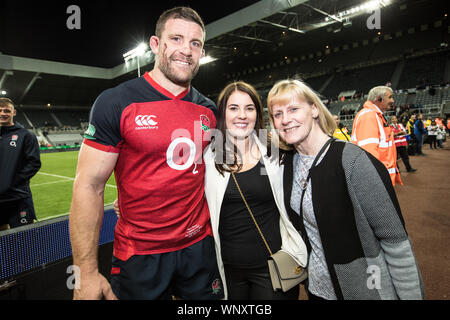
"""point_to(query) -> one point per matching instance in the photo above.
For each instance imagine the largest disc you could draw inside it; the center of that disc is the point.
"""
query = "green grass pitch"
(52, 185)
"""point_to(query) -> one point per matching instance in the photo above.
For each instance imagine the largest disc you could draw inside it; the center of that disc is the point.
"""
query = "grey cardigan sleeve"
(373, 195)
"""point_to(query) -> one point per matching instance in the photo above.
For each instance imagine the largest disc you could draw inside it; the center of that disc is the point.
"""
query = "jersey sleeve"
(104, 131)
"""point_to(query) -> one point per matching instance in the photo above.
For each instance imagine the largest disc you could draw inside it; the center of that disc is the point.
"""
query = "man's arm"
(32, 162)
(372, 192)
(86, 215)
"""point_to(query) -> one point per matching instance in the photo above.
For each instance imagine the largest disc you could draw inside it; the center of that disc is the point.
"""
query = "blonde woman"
(341, 198)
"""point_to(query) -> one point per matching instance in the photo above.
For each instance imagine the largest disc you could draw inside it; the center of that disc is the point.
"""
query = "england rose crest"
(216, 286)
(204, 120)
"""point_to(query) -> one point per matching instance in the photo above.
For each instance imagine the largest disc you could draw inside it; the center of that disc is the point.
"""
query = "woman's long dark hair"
(222, 101)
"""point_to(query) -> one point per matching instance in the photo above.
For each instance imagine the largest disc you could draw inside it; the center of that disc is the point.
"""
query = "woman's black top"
(241, 243)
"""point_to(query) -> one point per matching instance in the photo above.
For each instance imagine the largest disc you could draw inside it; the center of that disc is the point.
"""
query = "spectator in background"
(419, 132)
(432, 130)
(441, 124)
(440, 136)
(412, 143)
(447, 122)
(400, 143)
(426, 123)
(19, 162)
(372, 132)
(341, 131)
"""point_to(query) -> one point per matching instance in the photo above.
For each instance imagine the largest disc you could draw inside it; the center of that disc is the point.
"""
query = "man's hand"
(93, 286)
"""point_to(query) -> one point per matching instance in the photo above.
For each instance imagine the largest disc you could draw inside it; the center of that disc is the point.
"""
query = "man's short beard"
(165, 69)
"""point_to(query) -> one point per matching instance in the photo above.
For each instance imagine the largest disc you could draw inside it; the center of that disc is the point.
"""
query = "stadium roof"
(44, 62)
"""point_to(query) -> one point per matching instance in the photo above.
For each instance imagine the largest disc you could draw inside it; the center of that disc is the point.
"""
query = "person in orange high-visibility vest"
(372, 132)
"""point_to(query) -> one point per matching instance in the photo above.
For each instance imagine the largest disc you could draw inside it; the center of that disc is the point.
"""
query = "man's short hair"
(378, 92)
(5, 102)
(185, 13)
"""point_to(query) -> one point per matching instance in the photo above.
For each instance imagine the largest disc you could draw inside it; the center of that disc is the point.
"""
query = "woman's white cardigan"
(215, 186)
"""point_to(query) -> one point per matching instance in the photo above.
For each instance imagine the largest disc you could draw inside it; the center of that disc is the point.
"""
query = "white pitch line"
(55, 175)
(69, 178)
(42, 184)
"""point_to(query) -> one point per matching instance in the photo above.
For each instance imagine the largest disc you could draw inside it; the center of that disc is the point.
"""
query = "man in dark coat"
(19, 162)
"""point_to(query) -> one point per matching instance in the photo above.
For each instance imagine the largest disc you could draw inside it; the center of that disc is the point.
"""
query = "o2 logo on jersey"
(146, 122)
(171, 156)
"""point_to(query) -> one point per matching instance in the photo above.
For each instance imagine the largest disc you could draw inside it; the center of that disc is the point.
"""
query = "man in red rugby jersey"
(144, 130)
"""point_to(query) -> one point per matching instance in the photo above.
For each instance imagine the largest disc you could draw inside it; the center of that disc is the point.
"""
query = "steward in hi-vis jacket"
(372, 132)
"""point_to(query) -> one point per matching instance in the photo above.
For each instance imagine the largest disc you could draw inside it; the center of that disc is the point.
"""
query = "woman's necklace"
(304, 164)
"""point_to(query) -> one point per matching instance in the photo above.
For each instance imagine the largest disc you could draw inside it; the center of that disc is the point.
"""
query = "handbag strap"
(251, 214)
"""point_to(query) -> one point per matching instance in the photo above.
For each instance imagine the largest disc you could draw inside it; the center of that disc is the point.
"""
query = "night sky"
(109, 28)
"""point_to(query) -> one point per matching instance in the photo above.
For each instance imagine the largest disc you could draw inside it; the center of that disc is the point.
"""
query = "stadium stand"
(424, 70)
(65, 139)
(359, 79)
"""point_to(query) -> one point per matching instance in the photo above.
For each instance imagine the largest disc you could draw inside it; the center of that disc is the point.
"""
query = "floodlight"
(140, 50)
(373, 5)
(3, 92)
(136, 52)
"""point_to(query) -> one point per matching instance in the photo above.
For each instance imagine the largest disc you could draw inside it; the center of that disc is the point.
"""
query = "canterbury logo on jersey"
(146, 122)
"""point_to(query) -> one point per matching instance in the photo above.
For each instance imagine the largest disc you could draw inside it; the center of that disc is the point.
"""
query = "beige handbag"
(285, 272)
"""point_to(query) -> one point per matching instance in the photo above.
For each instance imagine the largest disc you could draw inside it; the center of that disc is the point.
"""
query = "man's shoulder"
(366, 112)
(118, 97)
(19, 129)
(200, 99)
(121, 89)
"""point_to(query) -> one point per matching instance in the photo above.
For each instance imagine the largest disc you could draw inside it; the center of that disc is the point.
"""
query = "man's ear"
(203, 53)
(154, 44)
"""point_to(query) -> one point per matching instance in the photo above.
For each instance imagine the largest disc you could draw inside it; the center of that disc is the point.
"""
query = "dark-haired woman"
(237, 150)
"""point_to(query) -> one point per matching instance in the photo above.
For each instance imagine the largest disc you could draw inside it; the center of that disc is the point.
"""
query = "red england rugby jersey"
(160, 139)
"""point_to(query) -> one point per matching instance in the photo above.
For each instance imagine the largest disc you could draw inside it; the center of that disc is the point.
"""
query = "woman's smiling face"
(240, 114)
(294, 120)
